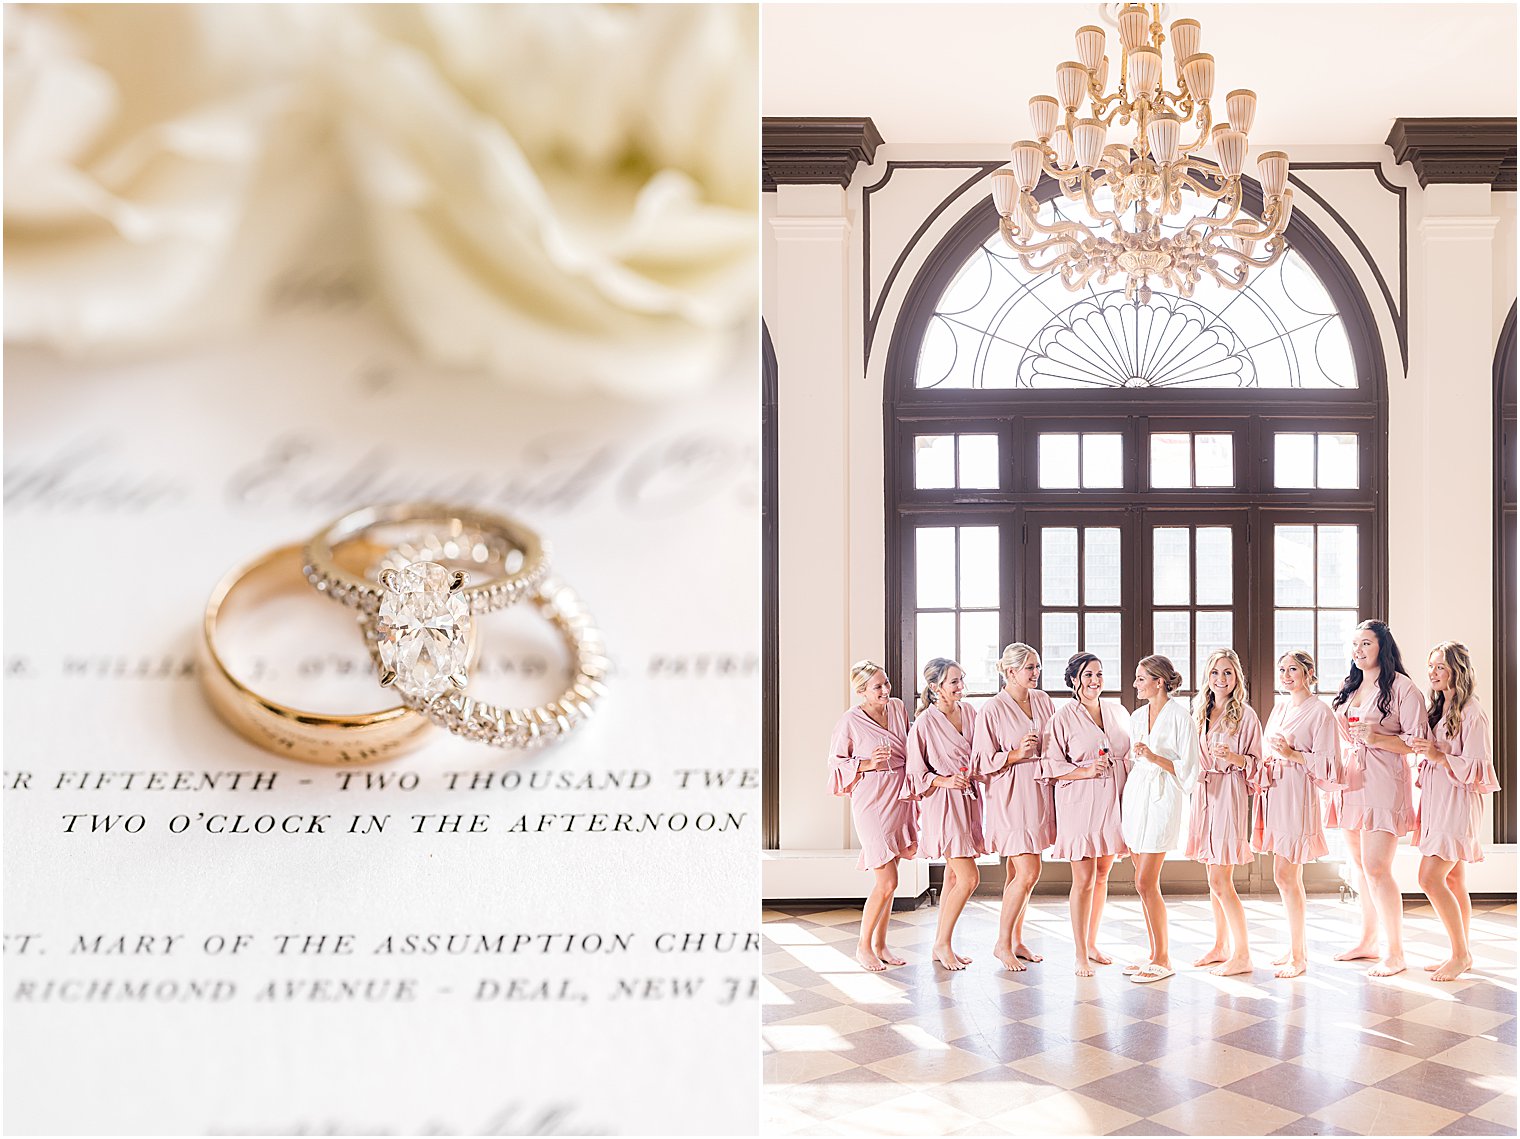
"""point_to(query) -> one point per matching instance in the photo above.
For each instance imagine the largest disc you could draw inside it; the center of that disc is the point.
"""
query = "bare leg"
(1220, 949)
(1458, 880)
(961, 877)
(1029, 875)
(1083, 881)
(1435, 881)
(1011, 916)
(1378, 848)
(886, 882)
(1152, 904)
(1222, 886)
(1365, 949)
(1289, 877)
(1100, 895)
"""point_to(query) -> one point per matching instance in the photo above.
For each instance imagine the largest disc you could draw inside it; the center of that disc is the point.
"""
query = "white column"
(810, 296)
(1455, 364)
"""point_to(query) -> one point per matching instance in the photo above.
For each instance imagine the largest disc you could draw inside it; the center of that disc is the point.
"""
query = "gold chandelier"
(1130, 188)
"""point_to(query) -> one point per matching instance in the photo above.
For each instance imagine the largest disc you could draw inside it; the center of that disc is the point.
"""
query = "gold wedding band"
(312, 737)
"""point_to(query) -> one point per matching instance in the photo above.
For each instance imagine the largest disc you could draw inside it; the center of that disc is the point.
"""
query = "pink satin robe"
(949, 820)
(1450, 815)
(1019, 809)
(1288, 810)
(1087, 810)
(886, 825)
(1379, 794)
(1219, 823)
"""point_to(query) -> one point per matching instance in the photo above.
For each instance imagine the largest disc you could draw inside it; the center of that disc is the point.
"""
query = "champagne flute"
(969, 792)
(1103, 763)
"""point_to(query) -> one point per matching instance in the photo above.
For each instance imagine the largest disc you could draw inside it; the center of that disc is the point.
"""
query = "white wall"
(1461, 262)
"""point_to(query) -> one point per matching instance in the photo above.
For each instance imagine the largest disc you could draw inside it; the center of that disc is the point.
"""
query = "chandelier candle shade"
(1129, 189)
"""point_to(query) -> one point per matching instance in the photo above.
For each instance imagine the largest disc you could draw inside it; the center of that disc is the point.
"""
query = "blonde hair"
(1235, 702)
(1014, 656)
(934, 673)
(1304, 662)
(861, 672)
(1163, 670)
(1463, 680)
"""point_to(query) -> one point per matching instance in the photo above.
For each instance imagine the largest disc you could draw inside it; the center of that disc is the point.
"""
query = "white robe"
(1154, 801)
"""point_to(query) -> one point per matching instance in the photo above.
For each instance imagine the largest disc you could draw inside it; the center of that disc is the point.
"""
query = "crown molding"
(1457, 150)
(815, 151)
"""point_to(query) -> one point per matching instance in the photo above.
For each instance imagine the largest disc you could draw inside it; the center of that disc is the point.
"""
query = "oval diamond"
(423, 630)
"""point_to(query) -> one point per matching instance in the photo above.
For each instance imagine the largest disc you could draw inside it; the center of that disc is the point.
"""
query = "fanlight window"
(998, 326)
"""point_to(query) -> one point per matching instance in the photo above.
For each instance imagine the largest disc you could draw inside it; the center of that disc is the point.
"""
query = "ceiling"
(951, 73)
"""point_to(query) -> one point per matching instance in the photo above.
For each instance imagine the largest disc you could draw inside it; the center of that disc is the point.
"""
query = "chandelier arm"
(1209, 226)
(1040, 247)
(1264, 262)
(1232, 281)
(1031, 211)
(1205, 124)
(1092, 206)
(1185, 176)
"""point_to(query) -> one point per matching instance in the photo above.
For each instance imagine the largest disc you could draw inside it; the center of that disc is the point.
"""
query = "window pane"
(1102, 640)
(979, 649)
(1334, 660)
(1337, 565)
(1216, 630)
(1294, 464)
(1058, 567)
(1058, 461)
(1172, 641)
(1101, 568)
(979, 567)
(1169, 461)
(1169, 560)
(1338, 461)
(933, 461)
(1058, 641)
(1293, 569)
(1102, 460)
(979, 462)
(936, 638)
(1292, 630)
(934, 567)
(1215, 460)
(1216, 582)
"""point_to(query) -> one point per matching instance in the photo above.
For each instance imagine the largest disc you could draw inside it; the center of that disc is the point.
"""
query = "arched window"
(1074, 469)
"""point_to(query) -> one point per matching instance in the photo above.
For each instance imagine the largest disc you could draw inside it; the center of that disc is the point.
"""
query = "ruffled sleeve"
(920, 780)
(1248, 741)
(1471, 754)
(1409, 706)
(1116, 729)
(844, 764)
(1056, 760)
(1322, 750)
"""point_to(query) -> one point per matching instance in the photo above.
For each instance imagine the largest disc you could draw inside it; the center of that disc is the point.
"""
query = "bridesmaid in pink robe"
(1381, 710)
(1456, 771)
(1019, 821)
(949, 810)
(1087, 759)
(1301, 756)
(869, 764)
(1220, 822)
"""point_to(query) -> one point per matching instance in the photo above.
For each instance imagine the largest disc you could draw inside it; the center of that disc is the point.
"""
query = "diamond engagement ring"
(312, 737)
(417, 615)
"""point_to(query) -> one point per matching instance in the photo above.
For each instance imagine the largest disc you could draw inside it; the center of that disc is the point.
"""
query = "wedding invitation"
(201, 936)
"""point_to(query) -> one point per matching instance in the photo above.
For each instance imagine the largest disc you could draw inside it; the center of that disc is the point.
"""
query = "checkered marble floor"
(922, 1051)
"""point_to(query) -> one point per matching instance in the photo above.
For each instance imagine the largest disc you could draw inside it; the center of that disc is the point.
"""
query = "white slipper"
(1132, 968)
(1152, 973)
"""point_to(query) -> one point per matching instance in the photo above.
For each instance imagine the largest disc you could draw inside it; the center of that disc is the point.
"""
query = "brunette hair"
(1389, 663)
(1234, 703)
(1075, 665)
(934, 673)
(1463, 681)
(1163, 670)
(861, 672)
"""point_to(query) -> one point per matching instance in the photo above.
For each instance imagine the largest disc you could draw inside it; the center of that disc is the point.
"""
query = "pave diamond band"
(462, 534)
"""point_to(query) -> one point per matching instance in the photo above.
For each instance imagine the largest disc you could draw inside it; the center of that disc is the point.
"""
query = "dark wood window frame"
(1506, 666)
(1253, 415)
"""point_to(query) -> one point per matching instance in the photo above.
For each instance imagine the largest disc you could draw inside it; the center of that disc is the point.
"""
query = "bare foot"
(948, 959)
(887, 957)
(1084, 967)
(1098, 957)
(1010, 960)
(1451, 970)
(1232, 967)
(1285, 959)
(1132, 968)
(1291, 968)
(869, 960)
(1433, 966)
(963, 960)
(1214, 956)
(1022, 950)
(1362, 952)
(1387, 967)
